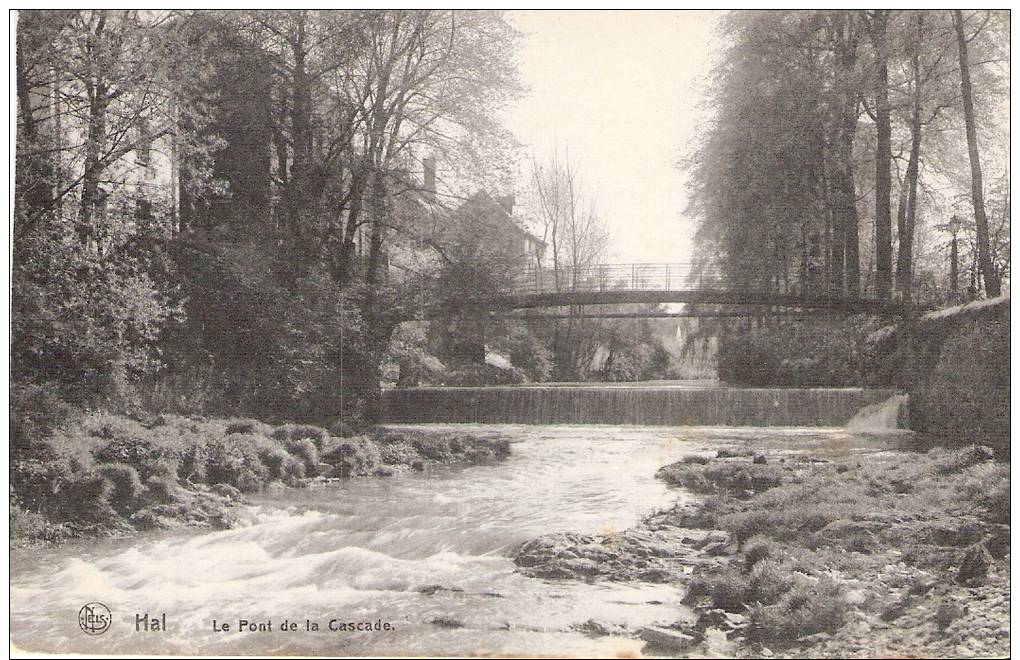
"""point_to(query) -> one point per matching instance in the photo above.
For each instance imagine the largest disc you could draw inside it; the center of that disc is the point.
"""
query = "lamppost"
(954, 253)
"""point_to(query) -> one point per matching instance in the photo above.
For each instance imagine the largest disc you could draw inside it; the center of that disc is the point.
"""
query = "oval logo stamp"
(94, 618)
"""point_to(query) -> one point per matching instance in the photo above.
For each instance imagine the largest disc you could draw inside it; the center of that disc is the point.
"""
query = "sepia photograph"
(502, 332)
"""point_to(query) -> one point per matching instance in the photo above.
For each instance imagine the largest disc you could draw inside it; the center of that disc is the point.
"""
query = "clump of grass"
(126, 486)
(30, 527)
(293, 472)
(354, 456)
(734, 453)
(813, 519)
(759, 548)
(87, 500)
(686, 475)
(741, 476)
(162, 490)
(805, 609)
(734, 587)
(305, 451)
(235, 460)
(316, 434)
(147, 456)
(35, 411)
(436, 447)
(728, 591)
(251, 426)
(399, 453)
(90, 469)
(272, 455)
(767, 581)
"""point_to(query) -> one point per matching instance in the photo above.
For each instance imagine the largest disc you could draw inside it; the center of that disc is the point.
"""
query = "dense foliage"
(829, 164)
(249, 340)
(798, 353)
(966, 390)
(205, 201)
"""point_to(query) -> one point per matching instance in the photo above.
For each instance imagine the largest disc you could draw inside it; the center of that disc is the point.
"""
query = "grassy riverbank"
(100, 474)
(852, 555)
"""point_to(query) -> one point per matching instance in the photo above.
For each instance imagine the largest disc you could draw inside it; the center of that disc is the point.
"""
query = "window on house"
(143, 209)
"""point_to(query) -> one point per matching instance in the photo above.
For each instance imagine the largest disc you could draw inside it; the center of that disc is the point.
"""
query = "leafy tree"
(94, 87)
(992, 285)
(278, 308)
(778, 170)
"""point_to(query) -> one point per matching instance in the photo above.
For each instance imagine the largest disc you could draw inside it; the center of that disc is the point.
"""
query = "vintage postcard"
(431, 332)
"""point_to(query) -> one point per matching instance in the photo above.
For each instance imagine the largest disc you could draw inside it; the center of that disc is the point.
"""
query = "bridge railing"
(682, 278)
(616, 277)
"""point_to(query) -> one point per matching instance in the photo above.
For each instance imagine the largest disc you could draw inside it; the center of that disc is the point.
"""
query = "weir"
(652, 406)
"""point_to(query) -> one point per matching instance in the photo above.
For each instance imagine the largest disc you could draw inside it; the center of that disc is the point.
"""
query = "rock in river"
(658, 555)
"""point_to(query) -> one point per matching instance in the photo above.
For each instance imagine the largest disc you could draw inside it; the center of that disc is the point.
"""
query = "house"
(480, 226)
(147, 175)
(487, 224)
(141, 172)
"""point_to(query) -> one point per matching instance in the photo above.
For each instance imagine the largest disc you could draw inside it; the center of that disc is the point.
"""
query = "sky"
(620, 92)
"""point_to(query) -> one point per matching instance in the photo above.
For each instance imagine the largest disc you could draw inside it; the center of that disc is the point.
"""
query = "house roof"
(500, 203)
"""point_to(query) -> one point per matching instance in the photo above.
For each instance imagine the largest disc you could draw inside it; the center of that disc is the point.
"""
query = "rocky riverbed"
(817, 554)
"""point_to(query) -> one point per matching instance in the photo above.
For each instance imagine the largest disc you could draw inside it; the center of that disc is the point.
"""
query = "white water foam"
(409, 549)
(881, 417)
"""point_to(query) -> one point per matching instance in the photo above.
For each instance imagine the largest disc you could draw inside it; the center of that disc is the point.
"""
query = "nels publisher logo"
(94, 618)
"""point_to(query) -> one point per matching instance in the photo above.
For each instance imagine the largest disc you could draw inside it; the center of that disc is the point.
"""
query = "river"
(376, 549)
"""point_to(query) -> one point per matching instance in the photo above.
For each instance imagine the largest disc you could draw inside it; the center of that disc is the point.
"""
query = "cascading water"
(881, 417)
(642, 405)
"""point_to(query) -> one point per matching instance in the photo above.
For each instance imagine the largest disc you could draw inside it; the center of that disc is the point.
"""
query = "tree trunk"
(846, 249)
(829, 281)
(283, 171)
(907, 228)
(992, 284)
(33, 172)
(373, 269)
(301, 134)
(24, 96)
(883, 159)
(345, 261)
(908, 198)
(805, 262)
(853, 240)
(379, 322)
(93, 167)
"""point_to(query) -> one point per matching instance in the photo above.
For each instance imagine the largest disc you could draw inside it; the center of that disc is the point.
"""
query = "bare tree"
(578, 238)
(991, 279)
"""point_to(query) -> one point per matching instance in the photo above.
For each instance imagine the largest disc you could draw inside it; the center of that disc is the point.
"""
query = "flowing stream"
(429, 554)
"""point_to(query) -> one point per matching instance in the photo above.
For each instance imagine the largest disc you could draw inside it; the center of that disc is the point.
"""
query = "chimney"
(429, 165)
